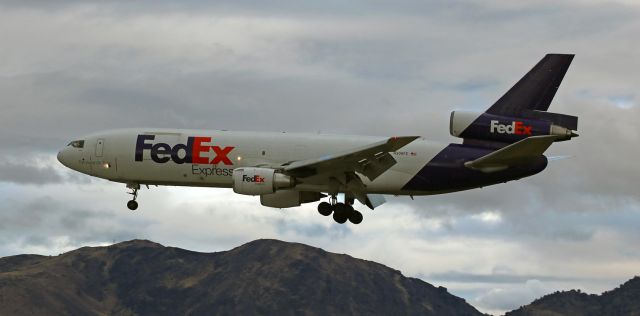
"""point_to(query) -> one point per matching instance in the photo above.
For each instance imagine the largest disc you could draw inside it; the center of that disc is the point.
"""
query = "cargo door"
(99, 147)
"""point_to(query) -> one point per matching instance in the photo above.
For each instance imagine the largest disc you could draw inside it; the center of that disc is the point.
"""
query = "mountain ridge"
(265, 276)
(623, 300)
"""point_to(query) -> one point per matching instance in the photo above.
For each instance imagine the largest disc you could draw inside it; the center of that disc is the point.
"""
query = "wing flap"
(518, 153)
(374, 167)
(371, 160)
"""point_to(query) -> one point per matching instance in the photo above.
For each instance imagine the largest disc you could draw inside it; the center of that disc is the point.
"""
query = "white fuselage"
(112, 155)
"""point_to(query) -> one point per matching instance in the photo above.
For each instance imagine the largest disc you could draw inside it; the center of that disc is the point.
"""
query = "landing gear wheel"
(132, 205)
(339, 218)
(355, 217)
(325, 209)
(134, 187)
(340, 213)
(348, 208)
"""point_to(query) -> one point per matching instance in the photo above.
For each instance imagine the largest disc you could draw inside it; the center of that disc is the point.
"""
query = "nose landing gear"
(341, 211)
(132, 204)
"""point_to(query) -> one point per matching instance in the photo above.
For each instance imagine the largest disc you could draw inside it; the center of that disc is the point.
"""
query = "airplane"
(505, 143)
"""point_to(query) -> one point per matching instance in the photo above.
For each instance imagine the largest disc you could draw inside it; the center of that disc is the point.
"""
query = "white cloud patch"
(508, 298)
(488, 217)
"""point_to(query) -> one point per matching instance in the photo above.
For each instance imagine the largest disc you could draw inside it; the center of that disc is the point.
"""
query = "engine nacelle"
(289, 198)
(258, 181)
(484, 126)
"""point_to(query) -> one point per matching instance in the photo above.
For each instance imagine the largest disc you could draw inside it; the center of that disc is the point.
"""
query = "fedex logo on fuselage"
(191, 152)
(255, 179)
(515, 128)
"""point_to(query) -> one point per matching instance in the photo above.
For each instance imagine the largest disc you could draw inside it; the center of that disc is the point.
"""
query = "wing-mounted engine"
(505, 129)
(289, 198)
(259, 181)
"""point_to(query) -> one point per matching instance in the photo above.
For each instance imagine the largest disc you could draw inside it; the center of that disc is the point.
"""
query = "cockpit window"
(77, 144)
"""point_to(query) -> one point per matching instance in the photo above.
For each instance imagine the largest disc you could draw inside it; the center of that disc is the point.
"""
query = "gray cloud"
(312, 230)
(463, 277)
(44, 222)
(37, 170)
(375, 68)
(28, 173)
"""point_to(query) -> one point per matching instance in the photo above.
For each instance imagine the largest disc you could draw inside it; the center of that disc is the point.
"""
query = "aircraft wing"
(514, 154)
(371, 160)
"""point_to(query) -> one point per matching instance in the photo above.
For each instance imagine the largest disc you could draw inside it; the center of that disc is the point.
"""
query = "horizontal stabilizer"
(519, 153)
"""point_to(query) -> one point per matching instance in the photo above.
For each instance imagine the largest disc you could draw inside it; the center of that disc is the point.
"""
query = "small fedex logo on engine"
(254, 179)
(194, 151)
(515, 128)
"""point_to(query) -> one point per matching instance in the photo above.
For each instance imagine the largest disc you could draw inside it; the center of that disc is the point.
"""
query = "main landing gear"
(132, 204)
(341, 211)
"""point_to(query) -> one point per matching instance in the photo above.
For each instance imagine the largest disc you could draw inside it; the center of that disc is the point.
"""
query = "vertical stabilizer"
(536, 89)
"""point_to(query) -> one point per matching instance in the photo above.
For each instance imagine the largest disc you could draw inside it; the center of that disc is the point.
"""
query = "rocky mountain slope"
(625, 300)
(265, 277)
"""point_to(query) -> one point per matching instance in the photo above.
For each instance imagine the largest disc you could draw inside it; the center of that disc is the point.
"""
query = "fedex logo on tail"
(515, 128)
(192, 152)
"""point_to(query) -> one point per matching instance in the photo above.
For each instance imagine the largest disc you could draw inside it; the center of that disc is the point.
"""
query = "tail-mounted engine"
(258, 181)
(484, 126)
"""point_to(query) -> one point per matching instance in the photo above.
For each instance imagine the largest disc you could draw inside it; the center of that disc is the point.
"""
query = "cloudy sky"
(358, 67)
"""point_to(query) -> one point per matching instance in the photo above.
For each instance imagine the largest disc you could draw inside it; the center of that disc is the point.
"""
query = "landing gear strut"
(132, 204)
(341, 211)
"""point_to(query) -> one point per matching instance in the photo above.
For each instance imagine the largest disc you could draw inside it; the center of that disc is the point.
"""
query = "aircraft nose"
(61, 157)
